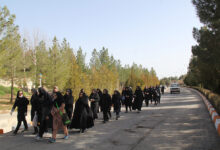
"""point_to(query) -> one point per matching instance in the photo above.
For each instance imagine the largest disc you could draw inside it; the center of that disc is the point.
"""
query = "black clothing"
(151, 91)
(35, 105)
(100, 95)
(43, 127)
(82, 117)
(69, 104)
(128, 99)
(21, 118)
(147, 96)
(123, 96)
(45, 101)
(162, 89)
(45, 107)
(21, 103)
(106, 106)
(156, 96)
(94, 104)
(138, 99)
(116, 101)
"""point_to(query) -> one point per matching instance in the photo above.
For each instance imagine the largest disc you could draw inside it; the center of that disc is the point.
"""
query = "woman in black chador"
(44, 117)
(138, 99)
(21, 102)
(147, 95)
(35, 107)
(128, 98)
(116, 101)
(68, 98)
(105, 105)
(82, 116)
(100, 95)
(94, 99)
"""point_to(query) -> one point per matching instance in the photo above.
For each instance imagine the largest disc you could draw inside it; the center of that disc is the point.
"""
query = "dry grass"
(213, 98)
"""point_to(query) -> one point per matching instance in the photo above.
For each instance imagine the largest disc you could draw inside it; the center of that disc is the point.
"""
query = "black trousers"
(109, 113)
(146, 102)
(128, 106)
(21, 118)
(105, 115)
(94, 108)
(69, 113)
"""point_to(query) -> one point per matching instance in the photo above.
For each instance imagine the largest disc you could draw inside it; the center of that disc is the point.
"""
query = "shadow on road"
(180, 122)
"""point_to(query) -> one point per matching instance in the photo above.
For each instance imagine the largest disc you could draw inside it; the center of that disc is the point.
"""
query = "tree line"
(60, 65)
(204, 66)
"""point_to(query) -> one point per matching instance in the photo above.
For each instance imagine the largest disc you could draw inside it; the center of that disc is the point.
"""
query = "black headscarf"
(68, 98)
(34, 91)
(59, 99)
(18, 93)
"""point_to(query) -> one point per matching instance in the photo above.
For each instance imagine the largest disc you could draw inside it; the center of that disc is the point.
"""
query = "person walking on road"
(35, 108)
(45, 107)
(151, 92)
(21, 103)
(82, 116)
(116, 101)
(100, 95)
(106, 105)
(69, 99)
(158, 93)
(128, 99)
(155, 95)
(147, 95)
(138, 99)
(58, 106)
(162, 89)
(94, 99)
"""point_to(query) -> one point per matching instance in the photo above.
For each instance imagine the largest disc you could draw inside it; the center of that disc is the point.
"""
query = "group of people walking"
(55, 111)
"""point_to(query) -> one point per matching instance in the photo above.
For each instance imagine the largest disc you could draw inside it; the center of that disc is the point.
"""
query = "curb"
(213, 114)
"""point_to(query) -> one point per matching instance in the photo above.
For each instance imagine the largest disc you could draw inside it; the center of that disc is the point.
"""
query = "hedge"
(213, 98)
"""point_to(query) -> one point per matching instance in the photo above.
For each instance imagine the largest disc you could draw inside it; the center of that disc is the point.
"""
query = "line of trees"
(59, 65)
(204, 66)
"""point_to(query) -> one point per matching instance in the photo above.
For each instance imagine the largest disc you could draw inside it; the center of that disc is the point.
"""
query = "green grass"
(6, 90)
(5, 94)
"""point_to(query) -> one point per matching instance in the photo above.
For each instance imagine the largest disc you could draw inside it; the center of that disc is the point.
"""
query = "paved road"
(180, 122)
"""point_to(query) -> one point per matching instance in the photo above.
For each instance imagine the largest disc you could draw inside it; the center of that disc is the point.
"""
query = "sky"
(151, 33)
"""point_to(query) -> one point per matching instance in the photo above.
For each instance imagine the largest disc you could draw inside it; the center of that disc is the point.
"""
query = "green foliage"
(204, 67)
(59, 65)
(6, 90)
(140, 76)
(168, 80)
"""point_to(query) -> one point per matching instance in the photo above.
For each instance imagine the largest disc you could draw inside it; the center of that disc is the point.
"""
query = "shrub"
(213, 98)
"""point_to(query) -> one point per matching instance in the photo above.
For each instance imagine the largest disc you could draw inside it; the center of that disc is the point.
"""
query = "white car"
(174, 88)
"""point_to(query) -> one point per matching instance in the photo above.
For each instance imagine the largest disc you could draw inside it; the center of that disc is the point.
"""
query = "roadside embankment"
(212, 102)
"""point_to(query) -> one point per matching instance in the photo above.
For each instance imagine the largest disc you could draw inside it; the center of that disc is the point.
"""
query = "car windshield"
(174, 85)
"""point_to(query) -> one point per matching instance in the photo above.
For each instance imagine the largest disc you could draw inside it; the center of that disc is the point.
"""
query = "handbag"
(65, 118)
(35, 120)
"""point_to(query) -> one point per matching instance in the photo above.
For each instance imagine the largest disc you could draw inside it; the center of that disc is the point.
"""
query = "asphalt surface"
(180, 122)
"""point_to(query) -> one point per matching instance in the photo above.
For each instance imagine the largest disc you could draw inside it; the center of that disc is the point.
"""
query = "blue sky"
(153, 33)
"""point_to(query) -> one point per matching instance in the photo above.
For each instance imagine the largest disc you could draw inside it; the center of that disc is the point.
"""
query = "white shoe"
(38, 138)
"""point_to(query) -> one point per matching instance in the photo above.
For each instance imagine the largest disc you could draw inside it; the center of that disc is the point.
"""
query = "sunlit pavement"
(180, 122)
